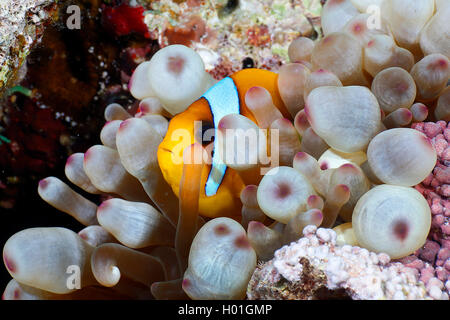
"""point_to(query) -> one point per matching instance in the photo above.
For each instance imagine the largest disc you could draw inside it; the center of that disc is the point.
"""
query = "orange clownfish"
(220, 186)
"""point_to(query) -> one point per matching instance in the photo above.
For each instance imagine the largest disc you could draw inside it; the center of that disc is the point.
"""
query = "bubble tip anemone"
(402, 218)
(401, 168)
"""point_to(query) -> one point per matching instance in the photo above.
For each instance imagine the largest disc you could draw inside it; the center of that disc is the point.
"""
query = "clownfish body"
(220, 186)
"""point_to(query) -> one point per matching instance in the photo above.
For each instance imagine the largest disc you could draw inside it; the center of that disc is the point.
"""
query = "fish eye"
(248, 63)
(230, 6)
(205, 133)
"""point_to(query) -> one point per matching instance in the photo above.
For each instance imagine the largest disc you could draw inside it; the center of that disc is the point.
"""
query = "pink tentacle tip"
(185, 283)
(358, 28)
(324, 166)
(286, 121)
(408, 114)
(69, 160)
(124, 124)
(318, 215)
(43, 183)
(282, 190)
(130, 83)
(16, 294)
(327, 39)
(143, 109)
(254, 90)
(423, 108)
(251, 188)
(442, 63)
(427, 141)
(82, 235)
(348, 166)
(102, 206)
(176, 64)
(255, 226)
(401, 230)
(87, 154)
(342, 192)
(307, 113)
(301, 118)
(242, 242)
(221, 230)
(344, 188)
(9, 264)
(301, 155)
(312, 199)
(222, 125)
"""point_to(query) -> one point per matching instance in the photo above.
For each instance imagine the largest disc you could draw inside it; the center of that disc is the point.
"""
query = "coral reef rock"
(314, 267)
(20, 25)
(224, 32)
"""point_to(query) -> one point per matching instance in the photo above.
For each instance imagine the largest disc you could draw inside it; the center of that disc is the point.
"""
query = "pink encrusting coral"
(315, 267)
(432, 261)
